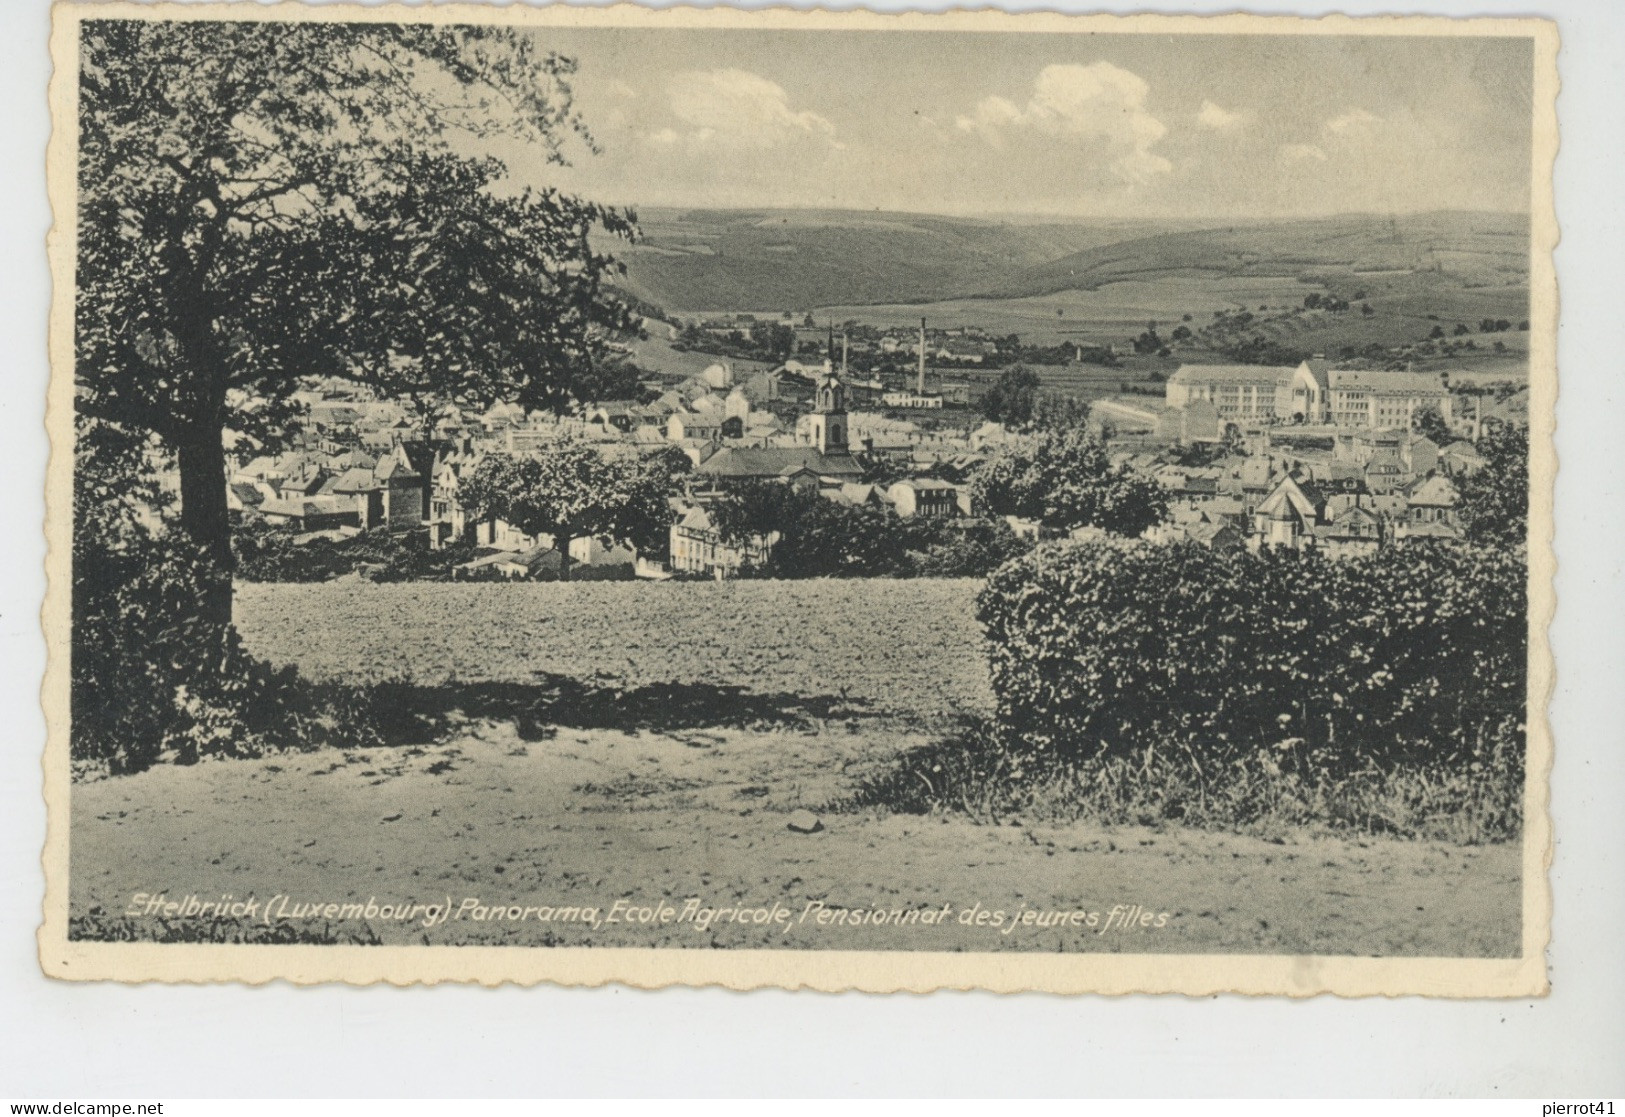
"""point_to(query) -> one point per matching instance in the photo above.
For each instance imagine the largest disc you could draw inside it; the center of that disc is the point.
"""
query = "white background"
(67, 1041)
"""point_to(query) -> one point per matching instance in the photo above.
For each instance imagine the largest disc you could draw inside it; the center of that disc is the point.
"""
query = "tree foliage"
(971, 550)
(151, 676)
(1011, 399)
(1065, 480)
(1412, 652)
(1431, 425)
(1494, 503)
(571, 491)
(264, 201)
(812, 536)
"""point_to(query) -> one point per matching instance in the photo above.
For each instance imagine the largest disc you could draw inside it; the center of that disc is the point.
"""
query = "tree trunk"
(204, 517)
(562, 542)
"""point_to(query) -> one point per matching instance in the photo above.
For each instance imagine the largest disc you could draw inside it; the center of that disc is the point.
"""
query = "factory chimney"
(921, 389)
(843, 355)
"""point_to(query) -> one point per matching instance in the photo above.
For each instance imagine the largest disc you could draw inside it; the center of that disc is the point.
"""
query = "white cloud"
(1355, 124)
(1218, 119)
(736, 108)
(1302, 153)
(1094, 104)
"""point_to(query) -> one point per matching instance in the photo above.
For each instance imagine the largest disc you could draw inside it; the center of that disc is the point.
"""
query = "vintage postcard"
(815, 500)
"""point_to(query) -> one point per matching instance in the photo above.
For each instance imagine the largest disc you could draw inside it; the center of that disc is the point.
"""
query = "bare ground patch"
(591, 816)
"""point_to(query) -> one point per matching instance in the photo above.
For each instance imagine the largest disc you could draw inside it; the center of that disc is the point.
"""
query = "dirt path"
(591, 817)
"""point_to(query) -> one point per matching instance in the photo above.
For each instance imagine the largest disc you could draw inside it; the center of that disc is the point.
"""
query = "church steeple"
(829, 421)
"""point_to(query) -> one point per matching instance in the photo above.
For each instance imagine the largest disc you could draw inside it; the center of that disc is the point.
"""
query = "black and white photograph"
(802, 499)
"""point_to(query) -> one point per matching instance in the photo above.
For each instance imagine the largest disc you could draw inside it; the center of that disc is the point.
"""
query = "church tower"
(829, 415)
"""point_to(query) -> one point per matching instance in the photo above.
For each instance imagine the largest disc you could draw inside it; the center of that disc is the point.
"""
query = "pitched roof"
(1232, 374)
(1292, 496)
(1387, 380)
(393, 467)
(1436, 491)
(1320, 370)
(774, 461)
(355, 480)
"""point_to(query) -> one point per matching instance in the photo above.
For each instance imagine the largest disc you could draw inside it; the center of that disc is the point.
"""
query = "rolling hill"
(1459, 249)
(714, 260)
(799, 260)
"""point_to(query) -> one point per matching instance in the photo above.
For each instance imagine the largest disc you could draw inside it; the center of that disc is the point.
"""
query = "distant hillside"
(709, 260)
(796, 260)
(1466, 250)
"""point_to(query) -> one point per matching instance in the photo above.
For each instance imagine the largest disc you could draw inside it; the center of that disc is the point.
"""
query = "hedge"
(1115, 648)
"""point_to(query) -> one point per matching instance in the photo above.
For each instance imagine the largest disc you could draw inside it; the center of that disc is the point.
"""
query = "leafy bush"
(816, 537)
(1413, 655)
(269, 554)
(150, 675)
(1494, 504)
(1065, 479)
(970, 550)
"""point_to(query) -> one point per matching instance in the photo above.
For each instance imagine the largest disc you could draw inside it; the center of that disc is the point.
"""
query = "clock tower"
(829, 424)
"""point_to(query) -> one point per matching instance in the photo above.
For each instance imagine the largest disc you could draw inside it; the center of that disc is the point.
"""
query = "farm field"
(646, 790)
(801, 640)
(1110, 314)
(1115, 313)
(656, 354)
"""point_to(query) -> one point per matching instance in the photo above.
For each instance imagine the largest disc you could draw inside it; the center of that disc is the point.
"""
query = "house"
(319, 513)
(697, 547)
(1250, 480)
(1197, 421)
(1215, 535)
(1432, 500)
(617, 415)
(1290, 514)
(528, 563)
(1354, 530)
(924, 496)
(691, 426)
(1420, 454)
(246, 496)
(1461, 459)
(906, 399)
(405, 505)
(303, 480)
(718, 375)
(698, 450)
(1385, 472)
(857, 495)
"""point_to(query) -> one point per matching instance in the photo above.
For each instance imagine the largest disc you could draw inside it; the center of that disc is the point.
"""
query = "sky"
(1010, 124)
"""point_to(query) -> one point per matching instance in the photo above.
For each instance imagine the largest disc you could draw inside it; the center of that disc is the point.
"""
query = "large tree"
(1494, 505)
(1064, 479)
(571, 491)
(264, 201)
(1011, 399)
(813, 537)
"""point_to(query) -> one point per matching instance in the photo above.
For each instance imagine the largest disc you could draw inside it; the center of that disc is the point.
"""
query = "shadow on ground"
(412, 713)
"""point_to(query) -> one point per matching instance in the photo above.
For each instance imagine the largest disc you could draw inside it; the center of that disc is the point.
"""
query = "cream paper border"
(872, 971)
